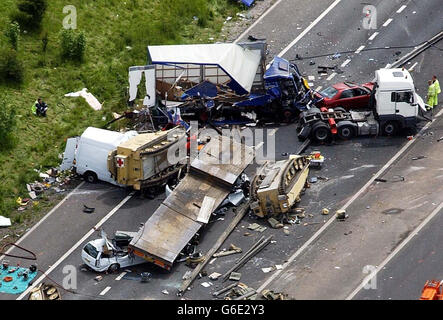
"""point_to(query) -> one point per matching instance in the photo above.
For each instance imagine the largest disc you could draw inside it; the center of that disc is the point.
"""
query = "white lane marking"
(121, 276)
(387, 22)
(75, 246)
(359, 49)
(345, 63)
(272, 132)
(257, 21)
(105, 290)
(311, 78)
(44, 218)
(394, 253)
(401, 8)
(312, 25)
(413, 66)
(332, 219)
(318, 88)
(372, 37)
(331, 76)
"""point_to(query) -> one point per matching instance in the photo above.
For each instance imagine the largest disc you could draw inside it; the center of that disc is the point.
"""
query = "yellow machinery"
(148, 160)
(276, 188)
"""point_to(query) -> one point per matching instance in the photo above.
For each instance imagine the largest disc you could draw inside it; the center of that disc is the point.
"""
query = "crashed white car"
(101, 255)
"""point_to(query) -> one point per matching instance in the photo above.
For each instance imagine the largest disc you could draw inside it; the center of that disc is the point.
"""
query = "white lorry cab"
(88, 154)
(397, 103)
(103, 255)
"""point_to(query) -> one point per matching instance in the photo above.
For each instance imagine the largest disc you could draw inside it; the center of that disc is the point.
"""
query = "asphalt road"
(349, 165)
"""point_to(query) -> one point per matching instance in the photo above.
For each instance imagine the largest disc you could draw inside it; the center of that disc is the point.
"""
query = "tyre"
(113, 268)
(287, 115)
(346, 132)
(304, 132)
(313, 110)
(91, 177)
(321, 132)
(390, 128)
(340, 109)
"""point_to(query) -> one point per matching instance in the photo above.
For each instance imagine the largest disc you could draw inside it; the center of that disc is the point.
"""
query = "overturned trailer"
(225, 83)
(188, 208)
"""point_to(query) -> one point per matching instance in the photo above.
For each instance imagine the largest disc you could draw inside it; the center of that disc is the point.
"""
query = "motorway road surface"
(349, 164)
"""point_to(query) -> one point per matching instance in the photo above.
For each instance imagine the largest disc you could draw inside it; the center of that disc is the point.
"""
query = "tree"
(11, 68)
(73, 44)
(12, 32)
(30, 13)
(7, 123)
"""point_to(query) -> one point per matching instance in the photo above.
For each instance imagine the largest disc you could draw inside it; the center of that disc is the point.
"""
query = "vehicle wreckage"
(222, 83)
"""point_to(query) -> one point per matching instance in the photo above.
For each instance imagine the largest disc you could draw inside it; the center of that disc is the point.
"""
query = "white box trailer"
(88, 154)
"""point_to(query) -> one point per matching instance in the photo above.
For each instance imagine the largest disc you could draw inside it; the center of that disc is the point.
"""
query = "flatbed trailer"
(188, 208)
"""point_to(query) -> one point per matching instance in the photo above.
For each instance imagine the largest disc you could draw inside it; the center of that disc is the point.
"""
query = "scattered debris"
(233, 249)
(87, 209)
(256, 227)
(187, 275)
(89, 97)
(235, 276)
(165, 292)
(98, 278)
(206, 284)
(313, 180)
(272, 295)
(5, 222)
(341, 215)
(325, 211)
(439, 139)
(214, 275)
(225, 289)
(419, 157)
(275, 224)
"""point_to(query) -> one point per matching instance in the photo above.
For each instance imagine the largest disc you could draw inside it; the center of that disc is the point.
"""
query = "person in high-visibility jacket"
(437, 88)
(431, 95)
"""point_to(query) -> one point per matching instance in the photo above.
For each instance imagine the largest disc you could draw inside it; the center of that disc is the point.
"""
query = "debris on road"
(232, 250)
(206, 284)
(225, 289)
(418, 158)
(256, 227)
(165, 292)
(214, 276)
(325, 211)
(98, 278)
(272, 295)
(235, 276)
(87, 209)
(341, 215)
(275, 224)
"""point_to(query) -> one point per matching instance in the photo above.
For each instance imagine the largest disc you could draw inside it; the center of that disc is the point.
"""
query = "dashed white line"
(372, 37)
(318, 88)
(359, 49)
(413, 66)
(331, 76)
(387, 22)
(312, 25)
(345, 63)
(121, 276)
(397, 250)
(105, 290)
(401, 9)
(75, 246)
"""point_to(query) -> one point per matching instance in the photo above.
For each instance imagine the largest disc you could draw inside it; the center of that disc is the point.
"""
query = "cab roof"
(394, 79)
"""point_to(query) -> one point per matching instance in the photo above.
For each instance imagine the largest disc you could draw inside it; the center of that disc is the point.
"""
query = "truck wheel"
(91, 177)
(390, 128)
(346, 132)
(321, 132)
(287, 115)
(340, 109)
(113, 268)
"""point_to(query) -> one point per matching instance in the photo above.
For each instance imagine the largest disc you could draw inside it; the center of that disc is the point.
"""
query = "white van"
(88, 153)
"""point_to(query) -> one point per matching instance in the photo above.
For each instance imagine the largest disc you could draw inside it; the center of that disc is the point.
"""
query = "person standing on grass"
(431, 95)
(40, 108)
(437, 89)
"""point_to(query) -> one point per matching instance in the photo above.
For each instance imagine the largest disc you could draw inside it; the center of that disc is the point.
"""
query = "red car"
(347, 95)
